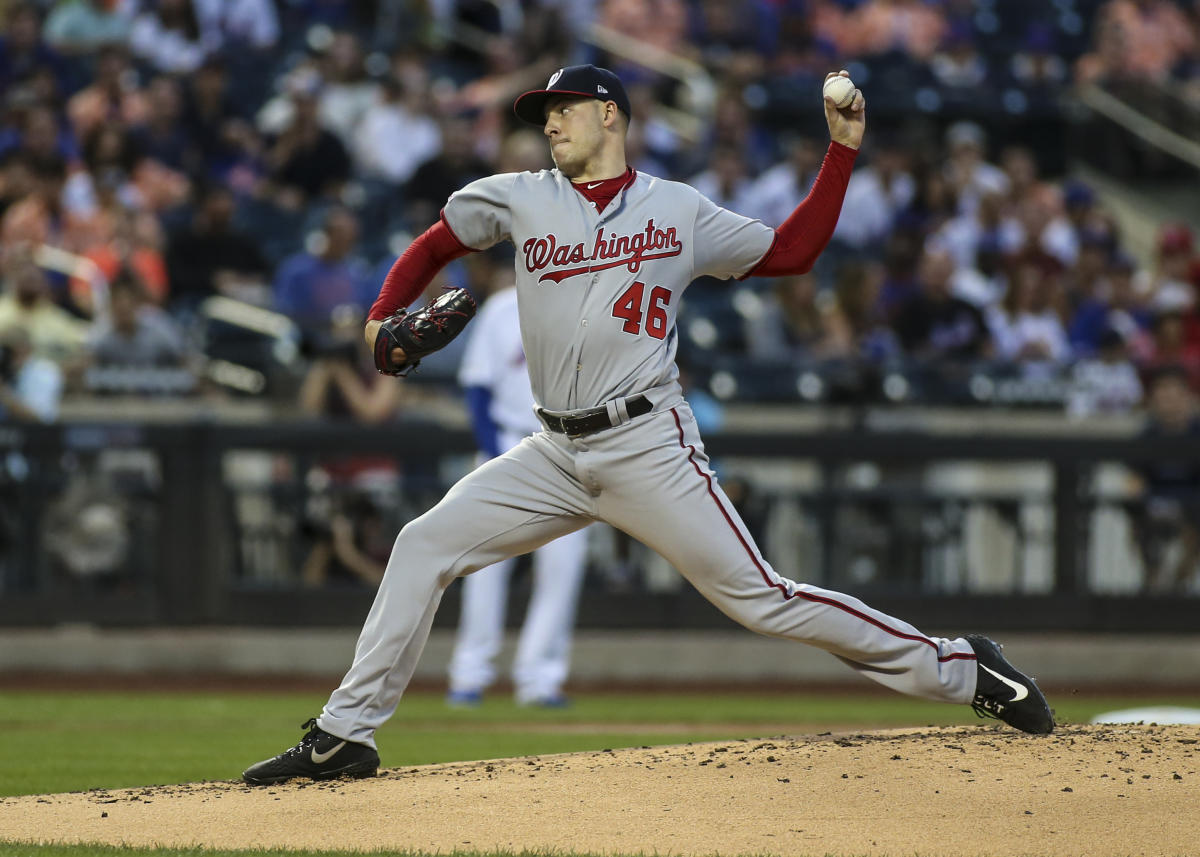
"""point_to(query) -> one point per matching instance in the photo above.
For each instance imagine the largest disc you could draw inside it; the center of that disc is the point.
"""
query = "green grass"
(70, 741)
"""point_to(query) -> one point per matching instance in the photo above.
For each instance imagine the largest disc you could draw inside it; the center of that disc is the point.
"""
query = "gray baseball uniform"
(598, 294)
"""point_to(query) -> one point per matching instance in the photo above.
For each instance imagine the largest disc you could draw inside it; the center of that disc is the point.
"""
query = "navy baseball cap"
(588, 81)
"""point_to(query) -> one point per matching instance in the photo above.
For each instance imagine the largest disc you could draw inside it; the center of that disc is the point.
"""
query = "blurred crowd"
(201, 197)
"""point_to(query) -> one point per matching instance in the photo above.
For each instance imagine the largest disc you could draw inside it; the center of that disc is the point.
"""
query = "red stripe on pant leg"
(820, 599)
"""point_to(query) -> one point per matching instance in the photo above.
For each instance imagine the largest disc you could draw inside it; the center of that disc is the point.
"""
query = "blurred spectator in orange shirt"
(1137, 39)
(880, 26)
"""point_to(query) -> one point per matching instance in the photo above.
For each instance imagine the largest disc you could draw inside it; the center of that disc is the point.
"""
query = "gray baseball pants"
(649, 477)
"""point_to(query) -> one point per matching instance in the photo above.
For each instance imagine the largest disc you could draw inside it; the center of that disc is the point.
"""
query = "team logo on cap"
(554, 78)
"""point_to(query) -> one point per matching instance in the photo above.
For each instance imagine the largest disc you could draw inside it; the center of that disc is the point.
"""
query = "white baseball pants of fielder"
(649, 477)
(543, 654)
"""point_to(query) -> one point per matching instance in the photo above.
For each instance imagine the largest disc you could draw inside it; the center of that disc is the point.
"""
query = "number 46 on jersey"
(629, 307)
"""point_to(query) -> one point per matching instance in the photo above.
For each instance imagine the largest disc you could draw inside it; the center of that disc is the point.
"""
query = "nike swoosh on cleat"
(1020, 691)
(320, 758)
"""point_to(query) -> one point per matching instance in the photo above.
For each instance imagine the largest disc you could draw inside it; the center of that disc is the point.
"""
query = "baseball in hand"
(840, 89)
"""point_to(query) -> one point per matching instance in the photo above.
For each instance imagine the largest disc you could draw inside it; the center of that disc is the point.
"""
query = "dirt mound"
(1086, 790)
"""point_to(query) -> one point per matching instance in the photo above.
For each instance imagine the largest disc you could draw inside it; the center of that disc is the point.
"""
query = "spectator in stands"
(958, 66)
(1170, 488)
(732, 126)
(1107, 382)
(1038, 68)
(114, 94)
(989, 225)
(791, 324)
(1083, 279)
(855, 324)
(733, 39)
(111, 161)
(17, 181)
(27, 304)
(967, 169)
(169, 36)
(880, 26)
(877, 193)
(1026, 328)
(778, 191)
(40, 135)
(661, 23)
(1169, 347)
(1073, 215)
(135, 333)
(241, 25)
(126, 177)
(213, 121)
(162, 135)
(209, 256)
(306, 161)
(726, 181)
(1137, 39)
(1112, 304)
(41, 217)
(30, 386)
(934, 203)
(456, 165)
(84, 26)
(342, 382)
(935, 326)
(395, 115)
(23, 54)
(347, 93)
(350, 547)
(1171, 287)
(1021, 169)
(132, 241)
(311, 286)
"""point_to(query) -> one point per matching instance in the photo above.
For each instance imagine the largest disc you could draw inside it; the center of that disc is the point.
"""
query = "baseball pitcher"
(603, 255)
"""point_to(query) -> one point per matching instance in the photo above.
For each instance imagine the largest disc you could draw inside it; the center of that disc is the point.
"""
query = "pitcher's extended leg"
(509, 506)
(684, 515)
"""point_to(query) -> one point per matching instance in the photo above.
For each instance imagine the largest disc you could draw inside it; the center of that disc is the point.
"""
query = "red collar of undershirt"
(603, 191)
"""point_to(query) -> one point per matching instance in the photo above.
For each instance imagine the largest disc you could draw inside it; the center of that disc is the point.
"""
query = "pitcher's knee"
(420, 549)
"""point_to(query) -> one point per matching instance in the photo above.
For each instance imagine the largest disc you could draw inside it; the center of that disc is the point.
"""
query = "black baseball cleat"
(319, 756)
(1003, 692)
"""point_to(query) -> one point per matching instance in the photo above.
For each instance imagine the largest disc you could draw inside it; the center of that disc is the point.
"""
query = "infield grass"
(72, 741)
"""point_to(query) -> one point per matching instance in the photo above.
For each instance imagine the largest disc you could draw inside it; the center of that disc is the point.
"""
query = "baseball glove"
(422, 332)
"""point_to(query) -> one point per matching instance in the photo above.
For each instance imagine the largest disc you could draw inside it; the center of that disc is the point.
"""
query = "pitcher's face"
(575, 129)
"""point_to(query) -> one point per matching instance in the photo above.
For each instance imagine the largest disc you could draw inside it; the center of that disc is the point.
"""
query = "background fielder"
(603, 256)
(496, 381)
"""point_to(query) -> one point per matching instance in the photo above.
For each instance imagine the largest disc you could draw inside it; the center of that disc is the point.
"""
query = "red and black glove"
(423, 332)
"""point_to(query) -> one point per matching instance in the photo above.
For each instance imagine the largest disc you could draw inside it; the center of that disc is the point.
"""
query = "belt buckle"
(554, 422)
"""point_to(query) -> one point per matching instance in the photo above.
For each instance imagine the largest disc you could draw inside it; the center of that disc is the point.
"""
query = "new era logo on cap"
(587, 81)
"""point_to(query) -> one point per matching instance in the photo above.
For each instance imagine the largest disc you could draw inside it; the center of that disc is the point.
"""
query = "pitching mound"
(1087, 790)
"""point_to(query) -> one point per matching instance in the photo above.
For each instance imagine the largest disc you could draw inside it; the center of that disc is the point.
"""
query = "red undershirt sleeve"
(800, 239)
(435, 248)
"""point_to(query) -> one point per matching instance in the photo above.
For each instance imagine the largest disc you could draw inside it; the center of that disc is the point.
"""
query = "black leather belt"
(593, 420)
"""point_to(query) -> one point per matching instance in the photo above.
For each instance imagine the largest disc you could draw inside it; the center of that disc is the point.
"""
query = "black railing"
(208, 524)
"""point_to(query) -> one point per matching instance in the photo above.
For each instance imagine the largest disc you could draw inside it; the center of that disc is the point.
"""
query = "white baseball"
(840, 89)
